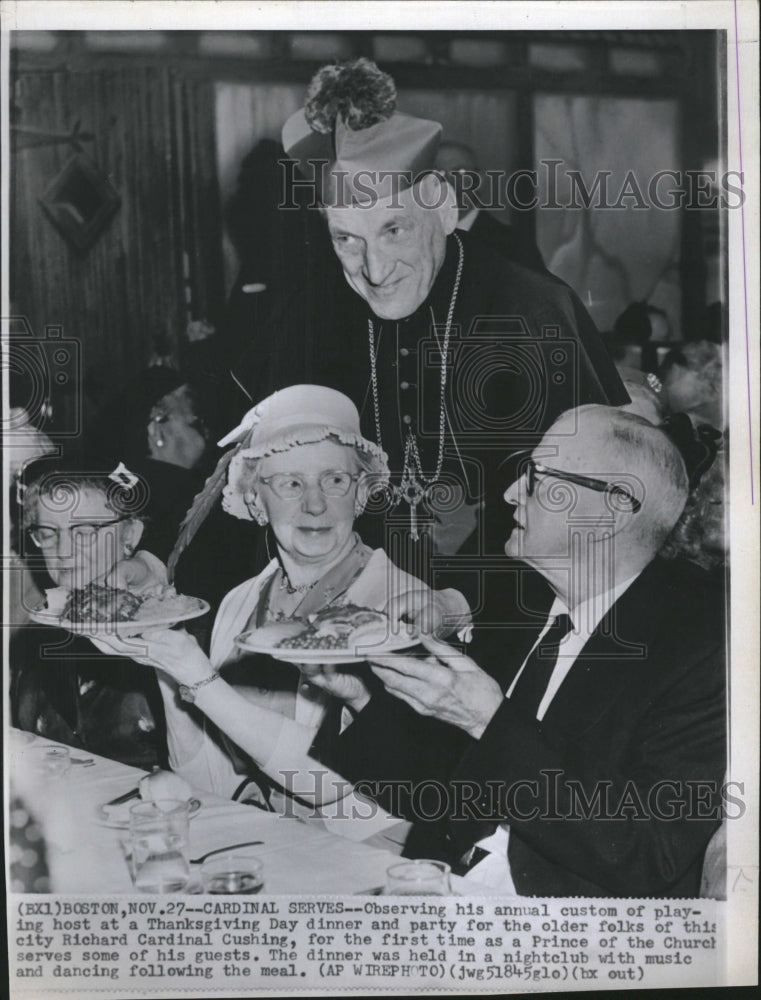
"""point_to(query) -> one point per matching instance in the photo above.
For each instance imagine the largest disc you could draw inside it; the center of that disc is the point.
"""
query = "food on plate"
(56, 598)
(334, 628)
(168, 603)
(163, 785)
(99, 603)
(274, 633)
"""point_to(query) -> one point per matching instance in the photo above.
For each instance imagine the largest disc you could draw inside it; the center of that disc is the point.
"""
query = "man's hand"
(448, 685)
(432, 612)
(421, 608)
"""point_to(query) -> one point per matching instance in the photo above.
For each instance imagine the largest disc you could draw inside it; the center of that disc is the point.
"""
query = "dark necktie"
(538, 668)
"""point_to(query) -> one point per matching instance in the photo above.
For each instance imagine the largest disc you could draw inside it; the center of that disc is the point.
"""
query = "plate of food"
(343, 634)
(101, 610)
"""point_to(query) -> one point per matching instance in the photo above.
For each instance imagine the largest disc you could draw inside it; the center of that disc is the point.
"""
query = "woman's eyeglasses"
(291, 487)
(534, 469)
(45, 536)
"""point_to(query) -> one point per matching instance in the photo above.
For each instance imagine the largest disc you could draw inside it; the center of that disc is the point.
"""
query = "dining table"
(86, 852)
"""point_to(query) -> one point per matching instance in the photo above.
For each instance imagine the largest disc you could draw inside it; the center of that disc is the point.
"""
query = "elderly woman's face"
(313, 527)
(79, 535)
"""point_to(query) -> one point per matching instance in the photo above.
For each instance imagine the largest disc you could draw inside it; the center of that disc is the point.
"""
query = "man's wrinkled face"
(545, 519)
(389, 255)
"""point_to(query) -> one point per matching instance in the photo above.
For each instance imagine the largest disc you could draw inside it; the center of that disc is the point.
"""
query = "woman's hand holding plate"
(171, 650)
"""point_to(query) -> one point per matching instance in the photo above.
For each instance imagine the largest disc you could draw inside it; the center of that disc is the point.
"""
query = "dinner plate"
(117, 817)
(255, 641)
(152, 619)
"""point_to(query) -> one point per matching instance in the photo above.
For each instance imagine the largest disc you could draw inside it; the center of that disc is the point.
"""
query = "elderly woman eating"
(300, 466)
(83, 524)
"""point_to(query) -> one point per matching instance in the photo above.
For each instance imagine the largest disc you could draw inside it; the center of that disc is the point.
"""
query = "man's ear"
(436, 193)
(132, 532)
(613, 523)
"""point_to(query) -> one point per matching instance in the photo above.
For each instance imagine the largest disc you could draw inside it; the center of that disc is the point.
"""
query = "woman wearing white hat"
(301, 466)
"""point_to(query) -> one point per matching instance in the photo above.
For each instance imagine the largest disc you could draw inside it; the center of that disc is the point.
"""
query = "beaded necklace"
(414, 485)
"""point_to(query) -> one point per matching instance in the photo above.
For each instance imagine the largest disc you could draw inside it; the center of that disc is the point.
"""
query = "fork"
(221, 850)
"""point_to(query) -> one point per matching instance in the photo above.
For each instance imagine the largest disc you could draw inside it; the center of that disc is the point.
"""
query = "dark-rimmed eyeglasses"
(534, 469)
(45, 536)
(290, 486)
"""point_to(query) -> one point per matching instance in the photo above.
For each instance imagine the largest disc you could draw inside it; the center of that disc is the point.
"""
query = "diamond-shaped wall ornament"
(80, 201)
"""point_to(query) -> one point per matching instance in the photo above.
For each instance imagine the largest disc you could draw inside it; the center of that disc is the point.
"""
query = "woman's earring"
(129, 549)
(159, 442)
(249, 499)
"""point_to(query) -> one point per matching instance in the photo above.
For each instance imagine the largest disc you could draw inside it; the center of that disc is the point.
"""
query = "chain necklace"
(414, 485)
(301, 588)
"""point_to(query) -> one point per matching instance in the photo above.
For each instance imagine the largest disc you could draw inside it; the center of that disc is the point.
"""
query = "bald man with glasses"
(594, 765)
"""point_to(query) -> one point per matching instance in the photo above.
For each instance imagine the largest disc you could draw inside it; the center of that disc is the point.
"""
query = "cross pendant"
(413, 492)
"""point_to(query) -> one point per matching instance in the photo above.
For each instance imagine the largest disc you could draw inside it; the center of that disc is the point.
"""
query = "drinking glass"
(418, 878)
(234, 873)
(48, 761)
(159, 842)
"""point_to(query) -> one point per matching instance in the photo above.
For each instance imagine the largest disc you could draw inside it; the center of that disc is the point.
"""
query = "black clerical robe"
(522, 349)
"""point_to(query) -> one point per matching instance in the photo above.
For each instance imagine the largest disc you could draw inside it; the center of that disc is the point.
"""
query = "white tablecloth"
(86, 856)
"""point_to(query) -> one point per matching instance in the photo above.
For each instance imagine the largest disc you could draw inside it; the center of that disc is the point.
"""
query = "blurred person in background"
(459, 165)
(153, 426)
(23, 442)
(701, 533)
(692, 377)
(157, 426)
(646, 394)
(693, 383)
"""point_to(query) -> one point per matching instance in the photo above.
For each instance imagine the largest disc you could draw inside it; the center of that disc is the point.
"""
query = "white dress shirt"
(494, 870)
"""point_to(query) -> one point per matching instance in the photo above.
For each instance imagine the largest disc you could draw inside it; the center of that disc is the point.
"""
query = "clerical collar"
(466, 222)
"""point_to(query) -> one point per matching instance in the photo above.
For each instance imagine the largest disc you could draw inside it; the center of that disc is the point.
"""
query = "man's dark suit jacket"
(639, 717)
(508, 241)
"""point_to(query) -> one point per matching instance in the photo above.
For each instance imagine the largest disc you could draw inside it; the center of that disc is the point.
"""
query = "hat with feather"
(297, 415)
(349, 132)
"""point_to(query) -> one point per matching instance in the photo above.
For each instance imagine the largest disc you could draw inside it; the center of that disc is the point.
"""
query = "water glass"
(418, 878)
(159, 843)
(233, 873)
(49, 761)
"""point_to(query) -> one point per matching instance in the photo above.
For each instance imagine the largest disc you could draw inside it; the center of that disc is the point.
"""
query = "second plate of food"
(364, 647)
